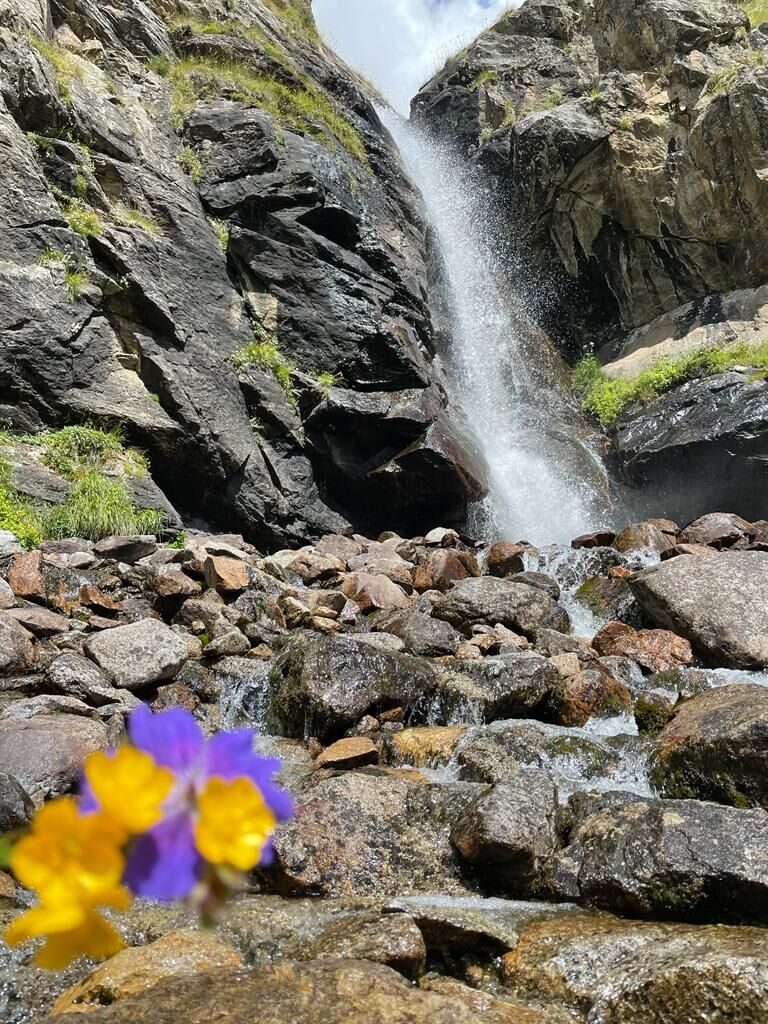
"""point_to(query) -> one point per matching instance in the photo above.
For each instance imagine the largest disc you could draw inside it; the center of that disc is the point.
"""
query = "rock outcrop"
(207, 239)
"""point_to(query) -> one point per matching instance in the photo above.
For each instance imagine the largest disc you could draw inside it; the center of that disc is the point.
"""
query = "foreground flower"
(172, 815)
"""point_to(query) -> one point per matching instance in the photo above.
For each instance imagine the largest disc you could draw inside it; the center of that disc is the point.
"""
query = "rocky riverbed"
(531, 783)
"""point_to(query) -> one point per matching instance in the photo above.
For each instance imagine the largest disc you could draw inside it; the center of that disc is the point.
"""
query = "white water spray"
(545, 484)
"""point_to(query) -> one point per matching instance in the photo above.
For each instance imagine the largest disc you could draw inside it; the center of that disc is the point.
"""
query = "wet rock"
(497, 687)
(629, 972)
(17, 652)
(574, 700)
(336, 992)
(325, 685)
(426, 746)
(510, 831)
(607, 597)
(541, 580)
(718, 530)
(652, 712)
(643, 537)
(16, 808)
(716, 602)
(715, 748)
(227, 645)
(389, 939)
(135, 970)
(522, 608)
(421, 634)
(505, 558)
(139, 654)
(351, 752)
(363, 835)
(657, 650)
(600, 539)
(45, 753)
(665, 858)
(125, 549)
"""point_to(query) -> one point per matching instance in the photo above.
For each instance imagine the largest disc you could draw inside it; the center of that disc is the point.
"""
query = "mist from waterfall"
(545, 483)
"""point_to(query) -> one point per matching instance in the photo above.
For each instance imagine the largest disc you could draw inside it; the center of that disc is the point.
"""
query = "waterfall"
(546, 484)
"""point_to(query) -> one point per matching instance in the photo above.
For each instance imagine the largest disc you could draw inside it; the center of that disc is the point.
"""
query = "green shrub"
(74, 280)
(221, 230)
(17, 513)
(266, 355)
(191, 163)
(72, 449)
(83, 219)
(160, 64)
(98, 507)
(301, 107)
(607, 398)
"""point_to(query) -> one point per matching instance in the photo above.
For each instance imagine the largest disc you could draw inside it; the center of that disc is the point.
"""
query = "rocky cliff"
(626, 145)
(206, 239)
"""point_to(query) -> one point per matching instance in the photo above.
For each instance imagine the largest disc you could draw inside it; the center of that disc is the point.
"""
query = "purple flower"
(164, 864)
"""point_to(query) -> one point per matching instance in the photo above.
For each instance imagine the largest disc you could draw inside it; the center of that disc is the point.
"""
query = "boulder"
(41, 622)
(324, 685)
(125, 549)
(643, 537)
(716, 748)
(333, 992)
(441, 569)
(717, 602)
(425, 747)
(139, 654)
(593, 692)
(501, 686)
(374, 593)
(510, 832)
(227, 575)
(390, 939)
(138, 969)
(487, 600)
(351, 752)
(17, 651)
(421, 634)
(657, 650)
(16, 808)
(46, 753)
(679, 859)
(718, 530)
(506, 558)
(25, 576)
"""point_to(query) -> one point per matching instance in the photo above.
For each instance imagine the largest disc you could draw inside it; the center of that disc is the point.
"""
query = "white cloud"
(399, 44)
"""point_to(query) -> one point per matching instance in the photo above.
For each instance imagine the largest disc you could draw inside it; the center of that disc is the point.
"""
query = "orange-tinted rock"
(441, 569)
(599, 539)
(719, 530)
(686, 549)
(505, 558)
(227, 575)
(352, 752)
(374, 592)
(93, 597)
(313, 566)
(591, 693)
(25, 576)
(642, 537)
(657, 650)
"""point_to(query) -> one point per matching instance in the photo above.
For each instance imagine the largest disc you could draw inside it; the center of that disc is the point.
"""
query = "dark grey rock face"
(320, 246)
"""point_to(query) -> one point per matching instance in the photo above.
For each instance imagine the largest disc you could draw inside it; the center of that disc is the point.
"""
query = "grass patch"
(75, 280)
(160, 64)
(134, 218)
(17, 514)
(551, 99)
(99, 507)
(221, 230)
(82, 219)
(191, 163)
(484, 78)
(65, 66)
(233, 27)
(73, 449)
(303, 108)
(607, 398)
(724, 80)
(266, 355)
(326, 381)
(296, 16)
(757, 11)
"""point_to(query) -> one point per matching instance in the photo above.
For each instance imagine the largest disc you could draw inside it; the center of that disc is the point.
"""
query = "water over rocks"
(449, 757)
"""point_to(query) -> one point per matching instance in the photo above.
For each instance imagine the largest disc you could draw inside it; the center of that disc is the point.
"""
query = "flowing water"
(546, 484)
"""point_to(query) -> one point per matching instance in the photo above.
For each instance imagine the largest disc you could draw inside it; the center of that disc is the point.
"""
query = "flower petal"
(173, 738)
(230, 755)
(163, 864)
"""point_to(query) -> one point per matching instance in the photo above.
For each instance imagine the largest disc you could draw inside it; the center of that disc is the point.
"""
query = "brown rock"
(46, 753)
(341, 547)
(390, 939)
(313, 566)
(39, 621)
(227, 575)
(262, 651)
(590, 693)
(25, 576)
(686, 549)
(657, 650)
(467, 651)
(170, 581)
(425, 747)
(387, 564)
(641, 537)
(600, 539)
(567, 664)
(93, 597)
(718, 530)
(175, 695)
(374, 592)
(134, 970)
(506, 558)
(353, 752)
(440, 570)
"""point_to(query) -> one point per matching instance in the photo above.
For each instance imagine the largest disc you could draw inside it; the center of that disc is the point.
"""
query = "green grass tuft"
(724, 80)
(133, 218)
(607, 398)
(160, 64)
(757, 11)
(266, 355)
(75, 280)
(221, 230)
(296, 16)
(65, 66)
(303, 108)
(72, 449)
(484, 78)
(98, 507)
(191, 163)
(327, 381)
(17, 513)
(83, 219)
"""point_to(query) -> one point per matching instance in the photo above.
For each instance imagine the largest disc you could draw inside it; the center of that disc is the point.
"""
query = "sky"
(399, 44)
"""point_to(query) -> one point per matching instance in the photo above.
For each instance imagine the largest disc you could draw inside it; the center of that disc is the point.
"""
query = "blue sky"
(399, 44)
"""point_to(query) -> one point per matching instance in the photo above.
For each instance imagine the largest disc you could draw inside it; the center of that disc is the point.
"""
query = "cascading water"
(545, 484)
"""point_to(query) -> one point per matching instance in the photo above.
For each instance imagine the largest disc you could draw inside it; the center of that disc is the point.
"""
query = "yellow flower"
(71, 857)
(71, 932)
(234, 823)
(129, 787)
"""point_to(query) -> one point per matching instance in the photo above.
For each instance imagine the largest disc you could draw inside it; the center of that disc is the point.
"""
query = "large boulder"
(716, 748)
(139, 654)
(665, 858)
(45, 753)
(323, 685)
(502, 686)
(718, 602)
(17, 650)
(489, 601)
